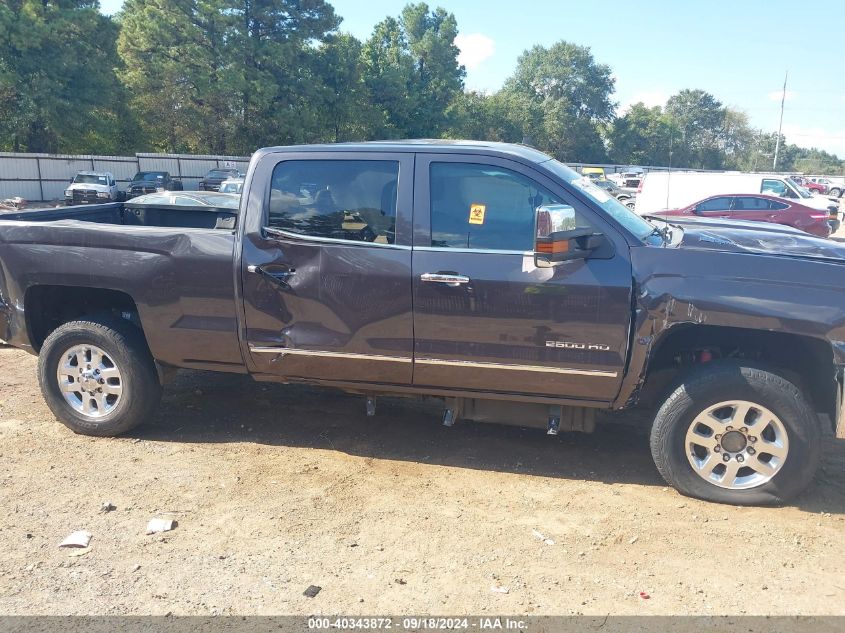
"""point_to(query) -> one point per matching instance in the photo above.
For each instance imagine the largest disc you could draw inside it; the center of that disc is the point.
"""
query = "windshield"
(90, 179)
(804, 193)
(149, 175)
(220, 173)
(618, 211)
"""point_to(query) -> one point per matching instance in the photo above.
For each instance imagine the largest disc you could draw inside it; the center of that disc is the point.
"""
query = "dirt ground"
(277, 488)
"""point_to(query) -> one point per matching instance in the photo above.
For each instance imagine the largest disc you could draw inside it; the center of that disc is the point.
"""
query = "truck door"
(485, 317)
(326, 267)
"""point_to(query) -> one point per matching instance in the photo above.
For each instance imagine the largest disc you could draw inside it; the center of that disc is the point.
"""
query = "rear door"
(485, 318)
(326, 267)
(755, 209)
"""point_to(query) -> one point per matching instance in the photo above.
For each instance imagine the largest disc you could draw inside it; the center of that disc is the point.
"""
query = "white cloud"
(650, 98)
(475, 49)
(778, 94)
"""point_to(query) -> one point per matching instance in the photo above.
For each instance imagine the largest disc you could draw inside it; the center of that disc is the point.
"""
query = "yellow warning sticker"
(476, 213)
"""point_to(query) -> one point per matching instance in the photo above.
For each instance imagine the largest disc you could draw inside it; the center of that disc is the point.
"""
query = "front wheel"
(736, 434)
(98, 377)
(835, 192)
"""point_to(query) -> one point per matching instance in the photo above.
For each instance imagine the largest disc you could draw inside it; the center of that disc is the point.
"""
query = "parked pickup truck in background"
(215, 177)
(151, 182)
(91, 187)
(485, 274)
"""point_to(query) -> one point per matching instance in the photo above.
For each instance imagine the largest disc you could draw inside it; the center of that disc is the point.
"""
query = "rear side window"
(715, 204)
(484, 207)
(774, 205)
(751, 204)
(339, 199)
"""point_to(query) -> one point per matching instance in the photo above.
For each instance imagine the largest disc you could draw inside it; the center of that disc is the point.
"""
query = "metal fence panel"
(64, 167)
(149, 162)
(15, 167)
(121, 167)
(26, 189)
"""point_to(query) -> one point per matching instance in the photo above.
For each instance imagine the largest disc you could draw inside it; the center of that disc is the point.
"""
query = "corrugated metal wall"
(44, 176)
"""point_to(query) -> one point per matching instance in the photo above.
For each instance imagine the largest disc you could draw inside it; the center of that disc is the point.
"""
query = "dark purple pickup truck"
(488, 275)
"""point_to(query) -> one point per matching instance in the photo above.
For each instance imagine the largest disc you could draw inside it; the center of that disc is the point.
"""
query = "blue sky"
(738, 50)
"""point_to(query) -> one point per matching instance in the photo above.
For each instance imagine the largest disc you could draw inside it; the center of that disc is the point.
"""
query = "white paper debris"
(160, 525)
(80, 538)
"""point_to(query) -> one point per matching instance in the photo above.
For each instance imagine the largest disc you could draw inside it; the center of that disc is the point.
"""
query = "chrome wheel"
(89, 380)
(737, 445)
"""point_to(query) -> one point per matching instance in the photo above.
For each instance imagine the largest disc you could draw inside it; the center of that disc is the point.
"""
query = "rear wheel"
(835, 192)
(98, 376)
(736, 434)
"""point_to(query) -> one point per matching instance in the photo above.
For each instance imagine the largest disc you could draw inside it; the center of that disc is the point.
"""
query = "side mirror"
(559, 239)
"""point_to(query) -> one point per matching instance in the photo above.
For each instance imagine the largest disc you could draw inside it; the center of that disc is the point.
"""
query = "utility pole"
(780, 125)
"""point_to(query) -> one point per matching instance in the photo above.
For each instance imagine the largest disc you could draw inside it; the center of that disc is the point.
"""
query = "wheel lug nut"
(726, 457)
(717, 449)
(717, 437)
(740, 458)
(729, 428)
(751, 438)
(750, 450)
(744, 430)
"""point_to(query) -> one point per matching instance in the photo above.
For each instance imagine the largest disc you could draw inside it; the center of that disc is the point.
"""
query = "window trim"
(269, 231)
(422, 200)
(404, 192)
(730, 208)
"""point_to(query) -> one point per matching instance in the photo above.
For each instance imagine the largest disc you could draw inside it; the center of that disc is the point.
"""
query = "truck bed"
(127, 214)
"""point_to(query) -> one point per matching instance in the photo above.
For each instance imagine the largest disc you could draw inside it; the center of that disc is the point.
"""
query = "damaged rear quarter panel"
(180, 280)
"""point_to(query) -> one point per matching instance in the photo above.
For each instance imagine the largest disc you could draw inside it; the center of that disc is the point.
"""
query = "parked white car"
(91, 187)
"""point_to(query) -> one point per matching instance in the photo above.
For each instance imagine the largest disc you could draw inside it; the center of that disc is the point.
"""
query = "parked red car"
(760, 208)
(815, 187)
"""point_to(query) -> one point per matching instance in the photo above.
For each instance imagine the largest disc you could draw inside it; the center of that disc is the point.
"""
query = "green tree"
(642, 136)
(277, 83)
(57, 83)
(348, 113)
(176, 70)
(411, 71)
(700, 118)
(736, 141)
(563, 99)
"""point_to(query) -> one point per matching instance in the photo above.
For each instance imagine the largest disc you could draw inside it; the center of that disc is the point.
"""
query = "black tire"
(836, 192)
(722, 381)
(126, 345)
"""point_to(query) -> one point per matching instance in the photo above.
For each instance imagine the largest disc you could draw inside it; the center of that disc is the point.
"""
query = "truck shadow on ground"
(203, 407)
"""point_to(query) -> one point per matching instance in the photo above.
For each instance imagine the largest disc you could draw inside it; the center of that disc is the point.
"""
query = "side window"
(774, 205)
(484, 207)
(751, 204)
(714, 204)
(340, 199)
(773, 187)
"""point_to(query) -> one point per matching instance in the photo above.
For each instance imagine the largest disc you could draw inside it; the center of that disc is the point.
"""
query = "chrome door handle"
(280, 277)
(449, 279)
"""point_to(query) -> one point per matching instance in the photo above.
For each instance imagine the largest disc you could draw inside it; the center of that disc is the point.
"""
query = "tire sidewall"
(114, 344)
(756, 386)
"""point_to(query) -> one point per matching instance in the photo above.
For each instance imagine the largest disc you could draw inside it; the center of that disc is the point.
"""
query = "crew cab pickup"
(488, 275)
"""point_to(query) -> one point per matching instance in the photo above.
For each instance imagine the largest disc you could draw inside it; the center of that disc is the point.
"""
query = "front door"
(719, 207)
(485, 317)
(327, 271)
